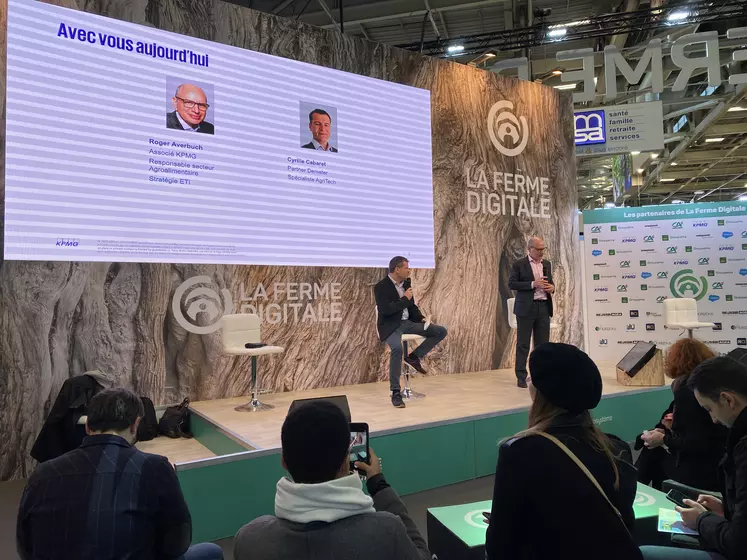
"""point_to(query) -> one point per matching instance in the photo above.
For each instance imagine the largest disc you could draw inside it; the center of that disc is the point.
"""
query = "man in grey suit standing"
(531, 279)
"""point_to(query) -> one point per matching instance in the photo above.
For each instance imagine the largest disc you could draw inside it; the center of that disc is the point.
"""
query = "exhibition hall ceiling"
(705, 127)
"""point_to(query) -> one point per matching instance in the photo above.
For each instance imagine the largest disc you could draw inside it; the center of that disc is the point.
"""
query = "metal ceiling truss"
(593, 27)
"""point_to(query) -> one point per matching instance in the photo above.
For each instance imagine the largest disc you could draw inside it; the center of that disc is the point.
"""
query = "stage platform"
(229, 470)
(449, 398)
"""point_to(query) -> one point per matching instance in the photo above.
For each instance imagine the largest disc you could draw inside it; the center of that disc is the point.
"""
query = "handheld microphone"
(406, 284)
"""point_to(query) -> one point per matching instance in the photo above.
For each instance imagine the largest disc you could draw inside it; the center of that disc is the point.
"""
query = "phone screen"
(359, 443)
(677, 498)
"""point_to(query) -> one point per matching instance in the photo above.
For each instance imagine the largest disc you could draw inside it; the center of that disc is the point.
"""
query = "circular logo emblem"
(685, 284)
(642, 499)
(508, 134)
(476, 519)
(198, 308)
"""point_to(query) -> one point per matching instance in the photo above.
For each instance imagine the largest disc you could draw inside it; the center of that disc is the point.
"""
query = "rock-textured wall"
(58, 319)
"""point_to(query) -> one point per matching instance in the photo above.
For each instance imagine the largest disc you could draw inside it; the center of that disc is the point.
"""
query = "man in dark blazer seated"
(531, 279)
(190, 110)
(398, 315)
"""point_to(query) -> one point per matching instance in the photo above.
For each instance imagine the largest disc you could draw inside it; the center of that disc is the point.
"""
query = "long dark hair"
(542, 415)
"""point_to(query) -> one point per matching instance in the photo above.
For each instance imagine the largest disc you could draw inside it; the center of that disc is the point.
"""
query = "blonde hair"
(542, 415)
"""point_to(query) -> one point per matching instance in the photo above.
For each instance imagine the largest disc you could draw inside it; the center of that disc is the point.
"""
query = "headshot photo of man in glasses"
(190, 110)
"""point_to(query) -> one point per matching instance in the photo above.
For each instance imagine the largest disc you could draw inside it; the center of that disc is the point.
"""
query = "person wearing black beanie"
(544, 503)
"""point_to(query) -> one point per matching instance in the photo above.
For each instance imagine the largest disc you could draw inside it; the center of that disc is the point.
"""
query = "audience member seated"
(685, 446)
(720, 386)
(321, 511)
(544, 503)
(107, 500)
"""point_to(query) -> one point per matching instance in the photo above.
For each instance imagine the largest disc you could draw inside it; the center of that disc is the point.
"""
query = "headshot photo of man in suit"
(320, 125)
(190, 109)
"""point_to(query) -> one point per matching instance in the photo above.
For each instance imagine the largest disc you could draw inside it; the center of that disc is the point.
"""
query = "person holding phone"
(720, 387)
(685, 445)
(531, 279)
(321, 510)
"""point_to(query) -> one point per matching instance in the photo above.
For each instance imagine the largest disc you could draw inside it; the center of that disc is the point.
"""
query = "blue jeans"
(672, 553)
(203, 551)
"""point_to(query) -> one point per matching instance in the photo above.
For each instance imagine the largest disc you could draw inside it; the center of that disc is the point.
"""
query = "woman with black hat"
(562, 488)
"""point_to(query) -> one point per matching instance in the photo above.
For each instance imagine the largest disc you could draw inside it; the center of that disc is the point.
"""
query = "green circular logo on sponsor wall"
(685, 284)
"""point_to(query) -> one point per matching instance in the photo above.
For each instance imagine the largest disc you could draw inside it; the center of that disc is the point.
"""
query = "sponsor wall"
(503, 169)
(638, 257)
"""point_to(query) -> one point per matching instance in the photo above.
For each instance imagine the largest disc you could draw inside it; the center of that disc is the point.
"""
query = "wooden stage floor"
(448, 398)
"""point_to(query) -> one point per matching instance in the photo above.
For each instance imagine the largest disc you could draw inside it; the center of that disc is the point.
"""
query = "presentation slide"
(130, 144)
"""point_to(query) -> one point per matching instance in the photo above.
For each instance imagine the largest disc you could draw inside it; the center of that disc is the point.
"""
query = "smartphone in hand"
(359, 449)
(677, 497)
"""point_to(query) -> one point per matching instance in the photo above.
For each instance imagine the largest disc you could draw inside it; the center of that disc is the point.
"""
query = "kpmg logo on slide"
(700, 224)
(596, 252)
(62, 242)
(503, 125)
(646, 275)
(600, 289)
(629, 240)
(590, 128)
(628, 276)
(200, 302)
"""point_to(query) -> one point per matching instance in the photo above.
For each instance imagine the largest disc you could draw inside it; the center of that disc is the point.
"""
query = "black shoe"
(397, 401)
(414, 362)
(521, 383)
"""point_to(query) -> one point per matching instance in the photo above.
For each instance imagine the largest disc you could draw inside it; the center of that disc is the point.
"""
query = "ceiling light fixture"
(453, 49)
(654, 156)
(678, 201)
(674, 163)
(490, 55)
(635, 153)
(609, 204)
(736, 109)
(678, 16)
(714, 140)
(640, 170)
(557, 33)
(743, 198)
(666, 180)
(699, 192)
(566, 87)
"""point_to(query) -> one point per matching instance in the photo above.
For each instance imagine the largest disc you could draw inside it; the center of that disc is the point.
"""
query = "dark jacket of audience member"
(696, 445)
(322, 511)
(544, 505)
(721, 385)
(692, 445)
(105, 500)
(61, 432)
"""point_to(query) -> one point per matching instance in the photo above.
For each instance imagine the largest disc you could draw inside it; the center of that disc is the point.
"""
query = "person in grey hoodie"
(321, 510)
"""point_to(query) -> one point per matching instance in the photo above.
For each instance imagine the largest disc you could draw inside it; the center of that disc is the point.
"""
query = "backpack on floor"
(175, 421)
(148, 427)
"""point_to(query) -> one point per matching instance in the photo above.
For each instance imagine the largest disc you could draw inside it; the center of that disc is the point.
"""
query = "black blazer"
(520, 280)
(310, 146)
(172, 121)
(544, 506)
(728, 535)
(390, 307)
